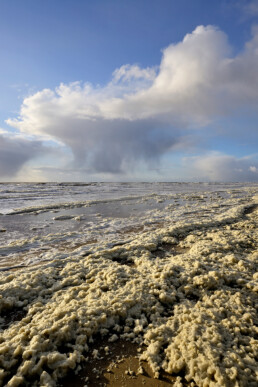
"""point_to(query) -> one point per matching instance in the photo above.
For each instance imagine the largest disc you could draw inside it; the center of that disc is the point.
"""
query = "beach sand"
(180, 302)
(118, 366)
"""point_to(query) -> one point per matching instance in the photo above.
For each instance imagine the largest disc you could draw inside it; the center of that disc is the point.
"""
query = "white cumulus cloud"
(143, 113)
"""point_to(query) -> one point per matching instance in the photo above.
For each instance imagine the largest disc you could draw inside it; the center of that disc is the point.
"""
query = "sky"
(139, 90)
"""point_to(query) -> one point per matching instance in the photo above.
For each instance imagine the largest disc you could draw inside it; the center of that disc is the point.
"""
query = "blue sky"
(138, 100)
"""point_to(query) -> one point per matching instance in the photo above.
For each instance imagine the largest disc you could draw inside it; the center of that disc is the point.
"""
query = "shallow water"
(39, 217)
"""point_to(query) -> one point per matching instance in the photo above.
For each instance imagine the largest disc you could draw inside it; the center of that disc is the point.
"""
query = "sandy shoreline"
(185, 294)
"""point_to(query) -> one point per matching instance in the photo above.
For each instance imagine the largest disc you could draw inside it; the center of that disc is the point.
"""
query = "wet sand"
(119, 366)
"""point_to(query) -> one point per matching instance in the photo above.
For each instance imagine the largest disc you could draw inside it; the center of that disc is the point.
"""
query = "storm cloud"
(15, 152)
(143, 114)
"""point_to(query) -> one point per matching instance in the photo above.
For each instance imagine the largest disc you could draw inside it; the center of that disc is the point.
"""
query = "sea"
(41, 222)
